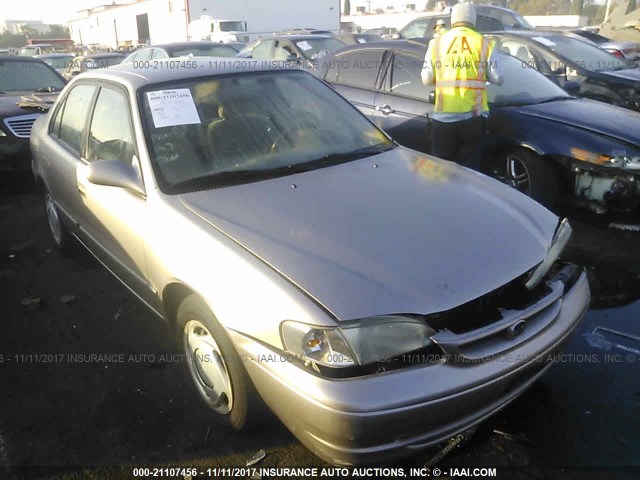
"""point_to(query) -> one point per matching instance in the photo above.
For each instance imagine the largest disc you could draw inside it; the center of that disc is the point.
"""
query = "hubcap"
(54, 220)
(208, 367)
(514, 173)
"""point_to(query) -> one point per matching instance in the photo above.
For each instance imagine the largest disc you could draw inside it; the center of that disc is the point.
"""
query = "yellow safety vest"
(460, 58)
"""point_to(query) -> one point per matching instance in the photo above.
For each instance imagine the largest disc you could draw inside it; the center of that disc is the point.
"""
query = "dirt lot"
(62, 409)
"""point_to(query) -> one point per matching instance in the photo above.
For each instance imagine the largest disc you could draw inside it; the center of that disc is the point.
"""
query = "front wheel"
(214, 365)
(528, 173)
(62, 237)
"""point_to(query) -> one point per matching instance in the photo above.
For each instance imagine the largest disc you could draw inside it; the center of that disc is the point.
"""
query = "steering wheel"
(304, 135)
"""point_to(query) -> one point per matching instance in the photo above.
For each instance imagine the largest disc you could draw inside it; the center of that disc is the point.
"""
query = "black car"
(28, 87)
(305, 49)
(540, 140)
(182, 49)
(83, 63)
(565, 57)
(489, 18)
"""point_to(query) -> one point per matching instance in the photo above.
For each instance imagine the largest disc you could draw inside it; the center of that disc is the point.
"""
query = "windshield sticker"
(544, 41)
(304, 45)
(173, 107)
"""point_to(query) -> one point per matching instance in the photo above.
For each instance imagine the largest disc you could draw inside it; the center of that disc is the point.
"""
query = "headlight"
(2, 134)
(560, 240)
(358, 342)
(620, 159)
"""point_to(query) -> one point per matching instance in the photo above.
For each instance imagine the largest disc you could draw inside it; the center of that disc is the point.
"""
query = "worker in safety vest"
(459, 63)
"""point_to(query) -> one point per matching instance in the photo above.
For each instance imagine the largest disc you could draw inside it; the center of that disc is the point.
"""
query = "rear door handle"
(385, 109)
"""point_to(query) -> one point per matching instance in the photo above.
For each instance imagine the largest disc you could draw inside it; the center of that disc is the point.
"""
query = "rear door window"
(406, 77)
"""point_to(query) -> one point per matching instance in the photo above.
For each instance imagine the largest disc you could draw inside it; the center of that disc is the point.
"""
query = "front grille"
(21, 126)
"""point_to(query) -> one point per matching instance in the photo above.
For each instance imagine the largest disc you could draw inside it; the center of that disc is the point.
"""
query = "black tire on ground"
(210, 357)
(62, 238)
(528, 173)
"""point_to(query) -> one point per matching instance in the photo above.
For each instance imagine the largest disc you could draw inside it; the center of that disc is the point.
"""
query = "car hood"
(22, 103)
(598, 117)
(399, 232)
(627, 74)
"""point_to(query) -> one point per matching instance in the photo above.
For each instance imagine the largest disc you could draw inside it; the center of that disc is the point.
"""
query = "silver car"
(378, 300)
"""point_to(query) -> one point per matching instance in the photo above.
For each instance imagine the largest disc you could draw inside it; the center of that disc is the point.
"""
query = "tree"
(59, 31)
(347, 7)
(577, 7)
(11, 40)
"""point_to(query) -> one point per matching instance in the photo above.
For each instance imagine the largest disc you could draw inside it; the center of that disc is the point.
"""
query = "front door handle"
(385, 109)
(81, 189)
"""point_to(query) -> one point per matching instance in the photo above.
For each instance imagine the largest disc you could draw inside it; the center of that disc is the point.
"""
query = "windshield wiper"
(553, 99)
(230, 177)
(50, 89)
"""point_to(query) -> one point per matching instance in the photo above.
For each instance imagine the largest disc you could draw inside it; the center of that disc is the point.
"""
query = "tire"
(62, 238)
(214, 365)
(528, 173)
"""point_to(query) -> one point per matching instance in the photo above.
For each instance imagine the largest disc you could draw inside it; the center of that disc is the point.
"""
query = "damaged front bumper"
(384, 416)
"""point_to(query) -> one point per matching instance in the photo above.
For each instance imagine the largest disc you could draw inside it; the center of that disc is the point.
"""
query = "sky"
(49, 11)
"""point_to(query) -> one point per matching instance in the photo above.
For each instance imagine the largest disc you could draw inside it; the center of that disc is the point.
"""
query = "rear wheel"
(62, 237)
(214, 365)
(528, 173)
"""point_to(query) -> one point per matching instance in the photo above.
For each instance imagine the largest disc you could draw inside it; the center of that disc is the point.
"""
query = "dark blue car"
(541, 140)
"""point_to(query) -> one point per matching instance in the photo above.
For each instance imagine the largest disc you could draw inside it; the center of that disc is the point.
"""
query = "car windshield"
(17, 76)
(213, 50)
(232, 26)
(313, 48)
(243, 127)
(583, 53)
(522, 84)
(58, 62)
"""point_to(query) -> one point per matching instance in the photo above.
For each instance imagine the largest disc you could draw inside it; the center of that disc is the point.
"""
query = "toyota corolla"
(378, 300)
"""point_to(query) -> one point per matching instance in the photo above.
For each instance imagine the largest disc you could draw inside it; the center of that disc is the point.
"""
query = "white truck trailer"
(261, 17)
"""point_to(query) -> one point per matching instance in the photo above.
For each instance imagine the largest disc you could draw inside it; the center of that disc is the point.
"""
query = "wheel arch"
(173, 295)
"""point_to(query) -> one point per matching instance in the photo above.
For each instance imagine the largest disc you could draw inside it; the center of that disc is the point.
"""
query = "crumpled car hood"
(412, 235)
(598, 117)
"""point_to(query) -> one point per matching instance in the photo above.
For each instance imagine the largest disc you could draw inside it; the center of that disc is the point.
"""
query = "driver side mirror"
(432, 97)
(396, 36)
(560, 71)
(114, 173)
(293, 58)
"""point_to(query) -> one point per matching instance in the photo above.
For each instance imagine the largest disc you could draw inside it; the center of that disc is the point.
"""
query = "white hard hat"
(463, 12)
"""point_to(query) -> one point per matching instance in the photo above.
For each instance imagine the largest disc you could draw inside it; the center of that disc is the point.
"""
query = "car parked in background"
(626, 50)
(383, 32)
(565, 57)
(83, 63)
(541, 140)
(59, 61)
(488, 19)
(28, 87)
(182, 49)
(304, 49)
(283, 249)
(40, 49)
(356, 38)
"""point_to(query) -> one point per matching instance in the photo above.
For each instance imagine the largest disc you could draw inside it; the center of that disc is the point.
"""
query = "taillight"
(616, 53)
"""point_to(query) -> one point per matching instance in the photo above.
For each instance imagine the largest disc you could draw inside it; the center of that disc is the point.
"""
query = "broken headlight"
(560, 240)
(358, 342)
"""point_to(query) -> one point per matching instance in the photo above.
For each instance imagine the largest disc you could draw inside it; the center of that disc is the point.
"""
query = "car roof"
(195, 43)
(535, 33)
(298, 37)
(4, 58)
(54, 55)
(406, 45)
(494, 7)
(127, 74)
(102, 55)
